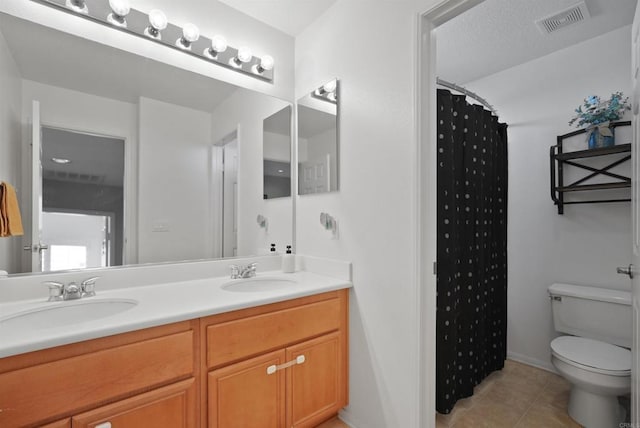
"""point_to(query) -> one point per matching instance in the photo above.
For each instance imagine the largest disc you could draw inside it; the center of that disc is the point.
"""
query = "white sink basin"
(257, 284)
(67, 313)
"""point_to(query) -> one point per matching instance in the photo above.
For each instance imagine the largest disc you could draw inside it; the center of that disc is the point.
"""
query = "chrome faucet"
(59, 291)
(249, 271)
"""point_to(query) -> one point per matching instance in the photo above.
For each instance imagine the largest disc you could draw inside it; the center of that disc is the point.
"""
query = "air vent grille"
(567, 17)
(73, 177)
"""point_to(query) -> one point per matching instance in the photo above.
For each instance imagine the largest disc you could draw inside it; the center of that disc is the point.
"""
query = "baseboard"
(544, 365)
(346, 418)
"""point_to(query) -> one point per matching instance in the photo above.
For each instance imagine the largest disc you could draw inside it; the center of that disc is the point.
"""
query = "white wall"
(174, 189)
(78, 111)
(212, 17)
(245, 111)
(376, 204)
(10, 146)
(584, 245)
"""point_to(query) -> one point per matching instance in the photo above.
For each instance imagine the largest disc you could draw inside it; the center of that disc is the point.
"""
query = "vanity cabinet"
(43, 386)
(274, 366)
(279, 365)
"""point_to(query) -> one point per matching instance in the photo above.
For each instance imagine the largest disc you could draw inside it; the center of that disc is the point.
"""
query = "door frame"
(216, 182)
(426, 196)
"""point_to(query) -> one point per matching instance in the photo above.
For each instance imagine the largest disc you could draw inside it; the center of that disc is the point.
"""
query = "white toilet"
(595, 359)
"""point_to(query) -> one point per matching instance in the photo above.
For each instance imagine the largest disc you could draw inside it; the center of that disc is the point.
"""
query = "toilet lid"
(592, 353)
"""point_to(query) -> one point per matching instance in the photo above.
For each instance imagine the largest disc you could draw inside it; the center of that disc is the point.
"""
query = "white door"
(315, 176)
(635, 215)
(36, 246)
(230, 200)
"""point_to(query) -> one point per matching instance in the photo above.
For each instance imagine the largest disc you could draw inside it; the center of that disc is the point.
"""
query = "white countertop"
(157, 305)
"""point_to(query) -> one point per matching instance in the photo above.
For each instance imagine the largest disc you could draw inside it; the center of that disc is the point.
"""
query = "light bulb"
(190, 33)
(158, 20)
(244, 54)
(120, 10)
(266, 63)
(330, 86)
(157, 23)
(120, 7)
(218, 44)
(77, 6)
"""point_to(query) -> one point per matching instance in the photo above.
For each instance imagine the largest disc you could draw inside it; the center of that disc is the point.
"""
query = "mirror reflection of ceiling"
(279, 123)
(313, 122)
(288, 16)
(111, 73)
(93, 159)
(500, 34)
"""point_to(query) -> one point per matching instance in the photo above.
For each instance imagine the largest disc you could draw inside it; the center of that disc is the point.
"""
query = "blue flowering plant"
(595, 112)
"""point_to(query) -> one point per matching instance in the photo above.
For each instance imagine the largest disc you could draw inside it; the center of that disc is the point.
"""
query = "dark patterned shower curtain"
(472, 248)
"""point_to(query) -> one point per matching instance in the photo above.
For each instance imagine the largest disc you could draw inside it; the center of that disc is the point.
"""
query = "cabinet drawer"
(233, 340)
(172, 406)
(60, 387)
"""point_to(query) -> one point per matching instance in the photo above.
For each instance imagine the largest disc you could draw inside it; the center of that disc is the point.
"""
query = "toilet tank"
(592, 312)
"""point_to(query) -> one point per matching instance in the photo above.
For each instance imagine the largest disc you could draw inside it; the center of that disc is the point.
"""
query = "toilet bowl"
(594, 357)
(598, 372)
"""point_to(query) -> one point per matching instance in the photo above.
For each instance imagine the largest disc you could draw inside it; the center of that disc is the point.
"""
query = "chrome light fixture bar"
(327, 92)
(154, 26)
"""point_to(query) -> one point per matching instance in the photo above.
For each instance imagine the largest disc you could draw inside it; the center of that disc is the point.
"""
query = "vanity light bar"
(214, 50)
(327, 92)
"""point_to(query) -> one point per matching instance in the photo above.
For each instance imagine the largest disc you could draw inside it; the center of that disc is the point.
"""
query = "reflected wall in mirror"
(318, 140)
(177, 134)
(276, 152)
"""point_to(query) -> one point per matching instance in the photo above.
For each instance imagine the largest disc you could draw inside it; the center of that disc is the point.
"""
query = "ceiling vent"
(576, 13)
(74, 177)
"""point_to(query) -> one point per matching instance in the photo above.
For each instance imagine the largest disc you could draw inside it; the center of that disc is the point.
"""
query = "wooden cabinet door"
(171, 406)
(316, 387)
(249, 394)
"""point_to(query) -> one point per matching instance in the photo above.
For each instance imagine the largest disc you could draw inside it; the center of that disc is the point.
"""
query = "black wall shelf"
(559, 160)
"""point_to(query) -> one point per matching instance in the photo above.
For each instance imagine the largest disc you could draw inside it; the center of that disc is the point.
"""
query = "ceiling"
(55, 58)
(500, 34)
(288, 16)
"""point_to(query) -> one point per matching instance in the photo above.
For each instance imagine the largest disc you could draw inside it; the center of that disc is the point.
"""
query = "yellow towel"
(3, 229)
(10, 211)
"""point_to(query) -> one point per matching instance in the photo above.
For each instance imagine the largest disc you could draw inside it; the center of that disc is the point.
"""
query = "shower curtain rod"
(467, 92)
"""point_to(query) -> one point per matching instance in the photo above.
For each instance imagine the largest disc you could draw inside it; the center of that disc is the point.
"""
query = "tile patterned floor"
(518, 396)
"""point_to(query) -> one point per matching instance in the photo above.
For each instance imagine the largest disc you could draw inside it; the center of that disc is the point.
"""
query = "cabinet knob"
(104, 425)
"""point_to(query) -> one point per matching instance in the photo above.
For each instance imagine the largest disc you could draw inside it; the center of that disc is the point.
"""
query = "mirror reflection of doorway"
(230, 199)
(76, 241)
(82, 200)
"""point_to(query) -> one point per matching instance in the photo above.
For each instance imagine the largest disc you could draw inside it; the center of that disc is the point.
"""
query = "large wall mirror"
(140, 162)
(318, 140)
